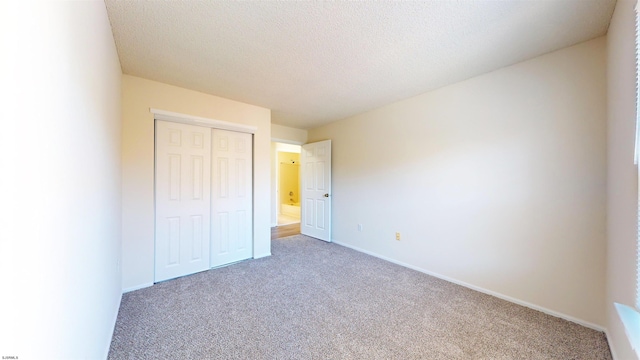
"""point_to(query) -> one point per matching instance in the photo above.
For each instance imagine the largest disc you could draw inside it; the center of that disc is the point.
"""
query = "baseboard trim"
(113, 325)
(145, 285)
(611, 348)
(137, 287)
(262, 255)
(480, 289)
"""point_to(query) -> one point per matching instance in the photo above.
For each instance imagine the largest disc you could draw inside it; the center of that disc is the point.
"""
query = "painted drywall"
(138, 96)
(288, 135)
(497, 182)
(289, 148)
(622, 179)
(60, 189)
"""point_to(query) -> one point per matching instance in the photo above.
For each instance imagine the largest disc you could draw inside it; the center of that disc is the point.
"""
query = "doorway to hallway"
(288, 184)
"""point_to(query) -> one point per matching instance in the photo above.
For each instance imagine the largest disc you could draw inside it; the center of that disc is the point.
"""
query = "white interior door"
(232, 197)
(316, 190)
(182, 193)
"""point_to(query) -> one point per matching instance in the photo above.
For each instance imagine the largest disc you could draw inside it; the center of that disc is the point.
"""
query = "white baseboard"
(137, 287)
(145, 285)
(477, 288)
(262, 255)
(611, 348)
(113, 325)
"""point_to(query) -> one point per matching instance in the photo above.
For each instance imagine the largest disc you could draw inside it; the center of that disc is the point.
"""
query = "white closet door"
(231, 197)
(183, 186)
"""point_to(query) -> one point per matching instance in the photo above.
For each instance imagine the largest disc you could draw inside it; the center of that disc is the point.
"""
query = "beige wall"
(497, 182)
(60, 190)
(288, 135)
(622, 180)
(138, 157)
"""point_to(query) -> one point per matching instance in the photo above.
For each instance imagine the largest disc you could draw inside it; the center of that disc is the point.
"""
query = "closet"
(203, 198)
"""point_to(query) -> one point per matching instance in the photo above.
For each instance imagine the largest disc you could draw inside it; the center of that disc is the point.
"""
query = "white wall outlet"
(359, 227)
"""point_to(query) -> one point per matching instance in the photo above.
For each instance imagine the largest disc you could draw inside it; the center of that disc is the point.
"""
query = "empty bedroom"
(320, 180)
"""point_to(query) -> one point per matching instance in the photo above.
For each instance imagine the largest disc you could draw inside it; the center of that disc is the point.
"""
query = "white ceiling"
(317, 62)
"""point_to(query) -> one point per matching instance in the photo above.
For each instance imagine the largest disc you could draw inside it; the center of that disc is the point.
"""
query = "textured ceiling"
(317, 62)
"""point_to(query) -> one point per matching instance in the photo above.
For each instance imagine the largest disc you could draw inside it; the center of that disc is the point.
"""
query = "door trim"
(201, 121)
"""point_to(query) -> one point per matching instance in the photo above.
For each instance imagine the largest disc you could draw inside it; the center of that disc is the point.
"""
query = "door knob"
(326, 195)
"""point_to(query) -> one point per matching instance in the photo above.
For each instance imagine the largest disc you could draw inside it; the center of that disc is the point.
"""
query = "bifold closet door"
(231, 197)
(182, 194)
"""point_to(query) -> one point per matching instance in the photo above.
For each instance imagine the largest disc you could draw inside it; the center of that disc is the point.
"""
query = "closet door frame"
(200, 121)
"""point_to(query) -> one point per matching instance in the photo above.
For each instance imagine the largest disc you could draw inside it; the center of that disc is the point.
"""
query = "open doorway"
(288, 183)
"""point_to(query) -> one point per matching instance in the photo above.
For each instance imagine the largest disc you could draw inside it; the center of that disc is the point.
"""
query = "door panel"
(316, 190)
(182, 193)
(232, 197)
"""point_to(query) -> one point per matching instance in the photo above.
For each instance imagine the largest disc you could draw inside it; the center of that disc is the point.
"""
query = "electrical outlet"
(359, 227)
(398, 236)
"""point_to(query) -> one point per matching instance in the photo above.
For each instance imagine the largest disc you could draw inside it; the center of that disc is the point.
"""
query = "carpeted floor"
(315, 300)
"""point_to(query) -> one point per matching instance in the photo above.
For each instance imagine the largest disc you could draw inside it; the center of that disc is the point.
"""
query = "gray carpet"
(314, 300)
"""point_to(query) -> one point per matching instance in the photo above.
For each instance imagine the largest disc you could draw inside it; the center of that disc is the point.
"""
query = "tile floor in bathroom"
(286, 220)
